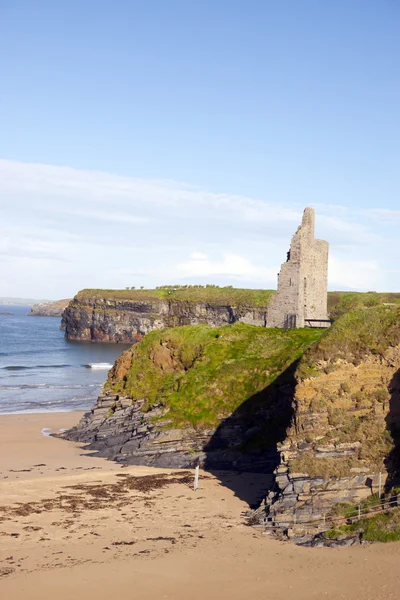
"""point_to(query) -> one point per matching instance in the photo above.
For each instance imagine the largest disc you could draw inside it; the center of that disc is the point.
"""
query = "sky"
(157, 142)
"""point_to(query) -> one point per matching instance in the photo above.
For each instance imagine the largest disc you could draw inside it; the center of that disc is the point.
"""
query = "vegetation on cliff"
(203, 374)
(346, 382)
(209, 294)
(338, 302)
(353, 337)
(384, 527)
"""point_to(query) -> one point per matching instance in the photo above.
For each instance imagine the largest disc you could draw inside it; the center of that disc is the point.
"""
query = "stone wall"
(302, 296)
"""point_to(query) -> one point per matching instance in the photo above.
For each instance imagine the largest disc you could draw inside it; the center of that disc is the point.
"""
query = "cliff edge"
(127, 315)
(197, 394)
(49, 309)
(318, 411)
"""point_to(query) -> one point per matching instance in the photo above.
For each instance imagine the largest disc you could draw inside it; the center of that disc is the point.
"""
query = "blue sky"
(151, 142)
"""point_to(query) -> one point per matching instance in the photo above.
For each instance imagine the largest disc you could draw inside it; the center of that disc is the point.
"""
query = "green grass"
(207, 294)
(348, 510)
(340, 303)
(203, 374)
(354, 335)
(384, 527)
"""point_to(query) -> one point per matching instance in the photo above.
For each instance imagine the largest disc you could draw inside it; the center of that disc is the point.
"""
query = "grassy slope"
(384, 527)
(209, 294)
(203, 374)
(344, 302)
(353, 336)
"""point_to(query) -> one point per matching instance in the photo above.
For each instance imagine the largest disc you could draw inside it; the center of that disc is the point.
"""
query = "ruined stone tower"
(301, 297)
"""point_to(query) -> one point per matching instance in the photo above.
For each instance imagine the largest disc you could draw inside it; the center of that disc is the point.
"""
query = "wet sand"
(73, 526)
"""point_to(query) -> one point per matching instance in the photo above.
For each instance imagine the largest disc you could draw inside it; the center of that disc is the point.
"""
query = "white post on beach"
(196, 477)
(379, 484)
(359, 511)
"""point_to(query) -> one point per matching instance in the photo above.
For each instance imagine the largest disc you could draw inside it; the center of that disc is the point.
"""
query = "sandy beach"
(74, 526)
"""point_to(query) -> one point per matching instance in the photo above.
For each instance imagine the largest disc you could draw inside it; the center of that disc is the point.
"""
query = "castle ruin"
(302, 294)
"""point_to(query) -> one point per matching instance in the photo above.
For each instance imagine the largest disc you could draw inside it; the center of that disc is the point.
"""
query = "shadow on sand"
(243, 452)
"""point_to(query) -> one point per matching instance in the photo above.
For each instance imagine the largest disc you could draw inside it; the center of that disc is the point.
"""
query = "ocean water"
(40, 371)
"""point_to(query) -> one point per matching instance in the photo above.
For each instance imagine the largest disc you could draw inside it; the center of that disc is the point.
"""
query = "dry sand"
(77, 527)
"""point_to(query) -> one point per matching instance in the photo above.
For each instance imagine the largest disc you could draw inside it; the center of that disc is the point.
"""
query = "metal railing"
(383, 505)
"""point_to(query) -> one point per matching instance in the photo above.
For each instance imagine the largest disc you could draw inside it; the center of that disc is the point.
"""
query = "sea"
(41, 371)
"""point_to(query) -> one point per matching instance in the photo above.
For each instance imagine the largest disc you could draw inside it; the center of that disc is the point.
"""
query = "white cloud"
(80, 229)
(382, 214)
(345, 273)
(230, 265)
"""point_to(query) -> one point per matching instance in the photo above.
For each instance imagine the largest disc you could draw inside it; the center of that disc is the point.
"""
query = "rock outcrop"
(197, 395)
(319, 411)
(125, 317)
(343, 443)
(49, 309)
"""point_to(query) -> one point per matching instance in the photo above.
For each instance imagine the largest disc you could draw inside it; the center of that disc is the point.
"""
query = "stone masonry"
(301, 298)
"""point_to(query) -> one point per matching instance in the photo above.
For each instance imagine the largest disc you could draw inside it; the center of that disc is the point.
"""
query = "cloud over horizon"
(63, 229)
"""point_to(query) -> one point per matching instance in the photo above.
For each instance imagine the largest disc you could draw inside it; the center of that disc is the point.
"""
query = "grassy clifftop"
(338, 302)
(354, 336)
(207, 294)
(203, 374)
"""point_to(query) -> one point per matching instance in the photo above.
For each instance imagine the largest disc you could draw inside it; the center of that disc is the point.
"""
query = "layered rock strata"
(197, 395)
(125, 321)
(125, 316)
(343, 444)
(327, 426)
(119, 429)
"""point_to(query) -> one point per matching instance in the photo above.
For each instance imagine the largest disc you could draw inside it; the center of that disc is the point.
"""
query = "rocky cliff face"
(127, 315)
(124, 320)
(49, 309)
(320, 411)
(197, 395)
(345, 430)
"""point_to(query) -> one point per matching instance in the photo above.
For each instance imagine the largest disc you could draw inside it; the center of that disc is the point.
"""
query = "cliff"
(197, 394)
(319, 411)
(127, 315)
(49, 309)
(346, 423)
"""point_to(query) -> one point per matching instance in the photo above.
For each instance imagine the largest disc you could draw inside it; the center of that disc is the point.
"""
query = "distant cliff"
(127, 315)
(49, 309)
